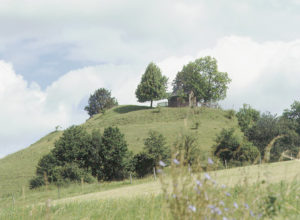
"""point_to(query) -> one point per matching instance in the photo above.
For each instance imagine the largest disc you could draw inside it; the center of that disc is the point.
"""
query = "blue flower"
(198, 183)
(162, 164)
(176, 161)
(210, 161)
(207, 176)
(192, 208)
(235, 205)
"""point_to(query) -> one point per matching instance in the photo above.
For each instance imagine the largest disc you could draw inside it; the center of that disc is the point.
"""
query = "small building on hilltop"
(182, 101)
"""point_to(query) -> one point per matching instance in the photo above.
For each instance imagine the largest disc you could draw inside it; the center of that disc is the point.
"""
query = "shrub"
(36, 182)
(156, 147)
(230, 114)
(227, 142)
(247, 153)
(187, 148)
(247, 116)
(143, 164)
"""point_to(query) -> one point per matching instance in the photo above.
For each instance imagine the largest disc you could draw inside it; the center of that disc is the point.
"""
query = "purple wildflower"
(235, 205)
(222, 203)
(211, 206)
(218, 211)
(210, 161)
(246, 206)
(162, 164)
(198, 183)
(228, 194)
(176, 161)
(252, 213)
(192, 208)
(207, 176)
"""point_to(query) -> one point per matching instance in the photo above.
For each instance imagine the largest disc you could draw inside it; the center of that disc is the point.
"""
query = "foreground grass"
(270, 190)
(275, 201)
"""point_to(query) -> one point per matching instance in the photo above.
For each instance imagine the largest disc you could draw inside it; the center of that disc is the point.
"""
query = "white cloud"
(27, 113)
(265, 75)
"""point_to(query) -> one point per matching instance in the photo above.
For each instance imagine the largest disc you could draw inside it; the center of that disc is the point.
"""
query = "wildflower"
(207, 176)
(224, 218)
(198, 183)
(162, 164)
(211, 206)
(174, 196)
(214, 182)
(197, 190)
(228, 194)
(235, 205)
(218, 211)
(192, 208)
(210, 161)
(246, 206)
(175, 161)
(159, 171)
(226, 209)
(223, 186)
(251, 213)
(222, 203)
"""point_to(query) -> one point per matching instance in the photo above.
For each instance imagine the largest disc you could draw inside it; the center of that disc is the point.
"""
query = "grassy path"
(269, 173)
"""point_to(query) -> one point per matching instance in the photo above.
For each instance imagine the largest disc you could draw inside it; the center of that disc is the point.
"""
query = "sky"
(55, 53)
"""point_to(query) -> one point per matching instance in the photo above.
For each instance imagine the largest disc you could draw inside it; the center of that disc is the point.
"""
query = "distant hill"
(135, 122)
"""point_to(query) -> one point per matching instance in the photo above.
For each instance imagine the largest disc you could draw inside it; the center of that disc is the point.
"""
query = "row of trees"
(78, 156)
(265, 137)
(200, 77)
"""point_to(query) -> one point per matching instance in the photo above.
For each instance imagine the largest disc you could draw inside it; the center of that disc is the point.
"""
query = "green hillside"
(135, 122)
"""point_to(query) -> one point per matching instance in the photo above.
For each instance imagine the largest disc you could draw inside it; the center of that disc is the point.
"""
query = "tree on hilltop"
(100, 101)
(203, 79)
(153, 85)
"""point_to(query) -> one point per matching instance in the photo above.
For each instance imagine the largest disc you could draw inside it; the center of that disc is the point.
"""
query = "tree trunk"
(151, 103)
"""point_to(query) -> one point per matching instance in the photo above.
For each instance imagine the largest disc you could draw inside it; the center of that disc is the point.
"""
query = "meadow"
(268, 191)
(271, 190)
(134, 122)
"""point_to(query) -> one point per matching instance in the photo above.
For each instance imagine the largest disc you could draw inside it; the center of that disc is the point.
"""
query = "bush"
(36, 182)
(143, 164)
(156, 147)
(230, 114)
(247, 153)
(227, 142)
(187, 148)
(247, 117)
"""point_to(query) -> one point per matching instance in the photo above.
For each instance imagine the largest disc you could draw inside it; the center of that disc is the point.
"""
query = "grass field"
(144, 199)
(271, 190)
(134, 121)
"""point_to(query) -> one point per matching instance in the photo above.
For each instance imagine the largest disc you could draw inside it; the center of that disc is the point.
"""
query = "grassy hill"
(135, 122)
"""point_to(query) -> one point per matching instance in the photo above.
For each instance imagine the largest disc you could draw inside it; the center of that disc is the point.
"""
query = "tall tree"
(203, 78)
(100, 101)
(153, 85)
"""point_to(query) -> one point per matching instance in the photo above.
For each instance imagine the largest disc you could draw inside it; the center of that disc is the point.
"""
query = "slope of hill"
(135, 122)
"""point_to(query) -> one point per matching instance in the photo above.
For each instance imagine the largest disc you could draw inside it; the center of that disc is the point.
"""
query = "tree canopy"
(153, 85)
(79, 155)
(100, 101)
(203, 78)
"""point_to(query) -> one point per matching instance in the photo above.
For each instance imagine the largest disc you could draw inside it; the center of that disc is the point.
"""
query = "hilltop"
(135, 122)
